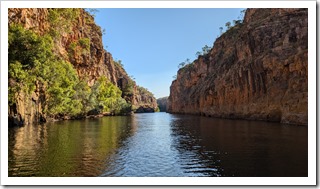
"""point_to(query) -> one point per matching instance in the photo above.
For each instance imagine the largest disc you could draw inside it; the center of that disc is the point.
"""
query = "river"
(158, 144)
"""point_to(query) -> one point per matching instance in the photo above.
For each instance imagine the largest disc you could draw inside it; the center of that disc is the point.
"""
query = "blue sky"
(152, 42)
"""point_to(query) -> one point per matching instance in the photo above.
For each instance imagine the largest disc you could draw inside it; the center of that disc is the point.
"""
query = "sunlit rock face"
(90, 65)
(256, 70)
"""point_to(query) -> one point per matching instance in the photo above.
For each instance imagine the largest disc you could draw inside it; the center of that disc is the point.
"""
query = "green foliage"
(85, 43)
(27, 53)
(241, 16)
(144, 91)
(103, 31)
(128, 89)
(228, 25)
(221, 29)
(121, 106)
(83, 92)
(61, 20)
(73, 46)
(31, 60)
(188, 66)
(33, 64)
(236, 23)
(82, 46)
(16, 71)
(205, 50)
(62, 80)
(185, 63)
(107, 95)
(27, 47)
(198, 53)
(93, 12)
(181, 65)
(118, 63)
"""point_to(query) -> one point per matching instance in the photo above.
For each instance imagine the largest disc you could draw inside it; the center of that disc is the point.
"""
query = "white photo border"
(310, 180)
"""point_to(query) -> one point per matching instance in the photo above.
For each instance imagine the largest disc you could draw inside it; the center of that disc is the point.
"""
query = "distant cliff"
(75, 40)
(162, 103)
(256, 70)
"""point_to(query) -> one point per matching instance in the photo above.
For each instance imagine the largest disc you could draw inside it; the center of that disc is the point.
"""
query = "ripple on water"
(157, 145)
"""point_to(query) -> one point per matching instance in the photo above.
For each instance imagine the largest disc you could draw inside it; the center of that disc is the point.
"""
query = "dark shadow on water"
(158, 145)
(242, 148)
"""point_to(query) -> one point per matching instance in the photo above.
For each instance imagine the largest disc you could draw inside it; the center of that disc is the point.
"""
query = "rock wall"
(89, 65)
(162, 102)
(256, 70)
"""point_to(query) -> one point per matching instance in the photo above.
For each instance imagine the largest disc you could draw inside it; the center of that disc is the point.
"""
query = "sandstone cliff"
(78, 41)
(256, 70)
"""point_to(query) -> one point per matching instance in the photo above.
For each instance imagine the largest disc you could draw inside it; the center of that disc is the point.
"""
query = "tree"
(31, 63)
(93, 12)
(61, 80)
(187, 61)
(82, 94)
(198, 53)
(61, 19)
(236, 22)
(128, 88)
(228, 25)
(205, 49)
(108, 96)
(118, 63)
(221, 28)
(181, 65)
(242, 12)
(28, 53)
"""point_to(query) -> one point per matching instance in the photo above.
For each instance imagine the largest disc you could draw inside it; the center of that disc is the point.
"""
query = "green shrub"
(62, 81)
(128, 89)
(107, 95)
(84, 43)
(27, 53)
(72, 47)
(61, 20)
(30, 60)
(118, 63)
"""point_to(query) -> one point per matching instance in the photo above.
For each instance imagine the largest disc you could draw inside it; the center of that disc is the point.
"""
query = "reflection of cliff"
(221, 147)
(73, 148)
(257, 69)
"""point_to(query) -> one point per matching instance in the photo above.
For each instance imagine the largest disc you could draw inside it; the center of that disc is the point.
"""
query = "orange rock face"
(256, 70)
(91, 65)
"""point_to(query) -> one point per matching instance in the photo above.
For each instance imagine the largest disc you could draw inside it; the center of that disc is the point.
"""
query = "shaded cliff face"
(79, 41)
(162, 102)
(256, 70)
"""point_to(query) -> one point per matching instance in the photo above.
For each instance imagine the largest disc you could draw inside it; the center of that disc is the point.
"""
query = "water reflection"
(158, 144)
(67, 148)
(240, 148)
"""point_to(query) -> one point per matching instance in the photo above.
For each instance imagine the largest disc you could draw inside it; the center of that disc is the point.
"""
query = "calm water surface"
(158, 144)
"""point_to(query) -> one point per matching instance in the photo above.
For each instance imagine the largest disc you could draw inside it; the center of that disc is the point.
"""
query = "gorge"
(43, 41)
(74, 111)
(257, 69)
